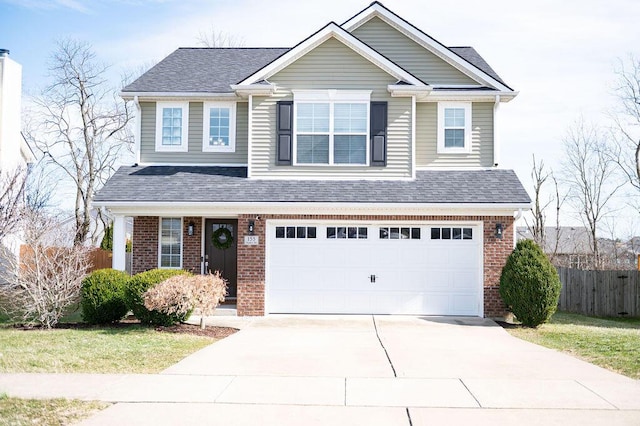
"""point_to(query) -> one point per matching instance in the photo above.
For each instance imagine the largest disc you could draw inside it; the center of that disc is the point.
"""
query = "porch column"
(119, 243)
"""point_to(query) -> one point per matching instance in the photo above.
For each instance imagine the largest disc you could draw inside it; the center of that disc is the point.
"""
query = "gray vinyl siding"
(481, 154)
(332, 66)
(409, 54)
(195, 155)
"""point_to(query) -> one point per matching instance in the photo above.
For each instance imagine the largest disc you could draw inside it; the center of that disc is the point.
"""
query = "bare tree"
(82, 125)
(627, 119)
(12, 190)
(46, 280)
(539, 176)
(215, 38)
(589, 173)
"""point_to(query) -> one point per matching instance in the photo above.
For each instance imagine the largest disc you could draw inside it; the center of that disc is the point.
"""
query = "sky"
(560, 55)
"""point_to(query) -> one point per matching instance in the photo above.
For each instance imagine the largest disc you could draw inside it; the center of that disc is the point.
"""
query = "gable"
(332, 65)
(409, 55)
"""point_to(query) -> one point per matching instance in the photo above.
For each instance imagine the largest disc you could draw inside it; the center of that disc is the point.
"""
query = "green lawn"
(133, 349)
(53, 412)
(612, 343)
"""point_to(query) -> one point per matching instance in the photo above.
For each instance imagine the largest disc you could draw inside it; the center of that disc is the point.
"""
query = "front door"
(221, 255)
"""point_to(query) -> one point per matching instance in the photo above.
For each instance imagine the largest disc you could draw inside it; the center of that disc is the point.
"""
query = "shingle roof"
(230, 184)
(203, 69)
(214, 70)
(470, 55)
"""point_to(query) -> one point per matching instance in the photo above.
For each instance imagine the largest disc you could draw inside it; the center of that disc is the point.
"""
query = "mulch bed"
(213, 332)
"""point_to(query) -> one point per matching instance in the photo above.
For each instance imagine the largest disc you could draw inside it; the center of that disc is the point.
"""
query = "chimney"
(4, 53)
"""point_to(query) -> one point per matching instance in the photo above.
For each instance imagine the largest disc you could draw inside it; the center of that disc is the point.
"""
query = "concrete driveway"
(382, 370)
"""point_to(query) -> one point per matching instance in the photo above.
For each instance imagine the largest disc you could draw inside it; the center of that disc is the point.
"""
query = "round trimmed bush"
(530, 285)
(139, 284)
(103, 299)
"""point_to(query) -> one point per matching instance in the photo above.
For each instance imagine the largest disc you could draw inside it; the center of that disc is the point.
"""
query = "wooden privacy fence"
(102, 259)
(99, 259)
(600, 293)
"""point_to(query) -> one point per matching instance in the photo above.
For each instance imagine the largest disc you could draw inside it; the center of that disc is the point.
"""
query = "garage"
(374, 268)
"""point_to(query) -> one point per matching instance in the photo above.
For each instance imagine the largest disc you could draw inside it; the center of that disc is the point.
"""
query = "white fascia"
(176, 96)
(405, 90)
(335, 31)
(429, 43)
(467, 95)
(244, 90)
(208, 209)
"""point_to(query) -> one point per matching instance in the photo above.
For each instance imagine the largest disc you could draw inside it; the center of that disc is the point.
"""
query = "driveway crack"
(382, 344)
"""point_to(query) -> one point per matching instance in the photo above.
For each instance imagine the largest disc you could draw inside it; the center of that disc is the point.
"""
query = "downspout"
(515, 228)
(137, 135)
(496, 139)
(249, 134)
(413, 136)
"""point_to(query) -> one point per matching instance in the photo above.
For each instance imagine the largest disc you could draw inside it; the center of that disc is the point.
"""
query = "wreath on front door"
(222, 238)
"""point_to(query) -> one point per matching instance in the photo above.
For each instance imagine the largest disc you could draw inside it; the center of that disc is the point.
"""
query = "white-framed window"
(219, 121)
(170, 243)
(172, 126)
(331, 127)
(454, 127)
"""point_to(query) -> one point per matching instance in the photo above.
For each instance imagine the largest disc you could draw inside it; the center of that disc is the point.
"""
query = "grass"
(612, 343)
(54, 412)
(134, 349)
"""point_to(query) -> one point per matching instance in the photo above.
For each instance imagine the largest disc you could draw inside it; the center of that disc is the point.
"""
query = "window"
(451, 233)
(399, 233)
(170, 243)
(454, 127)
(297, 232)
(171, 126)
(331, 127)
(219, 120)
(347, 232)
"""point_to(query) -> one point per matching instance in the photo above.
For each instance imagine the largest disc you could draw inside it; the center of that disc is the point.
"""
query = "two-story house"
(15, 153)
(355, 172)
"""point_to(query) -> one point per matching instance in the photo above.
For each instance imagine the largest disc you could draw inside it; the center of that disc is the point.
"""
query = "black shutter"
(284, 132)
(378, 134)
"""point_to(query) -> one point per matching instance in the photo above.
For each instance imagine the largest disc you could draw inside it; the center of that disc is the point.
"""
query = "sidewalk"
(339, 371)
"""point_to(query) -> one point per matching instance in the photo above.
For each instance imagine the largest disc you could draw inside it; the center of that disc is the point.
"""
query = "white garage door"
(357, 268)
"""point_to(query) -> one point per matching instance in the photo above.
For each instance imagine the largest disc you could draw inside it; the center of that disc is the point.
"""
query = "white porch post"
(119, 243)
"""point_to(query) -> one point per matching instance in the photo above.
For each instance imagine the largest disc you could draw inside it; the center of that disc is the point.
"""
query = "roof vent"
(4, 52)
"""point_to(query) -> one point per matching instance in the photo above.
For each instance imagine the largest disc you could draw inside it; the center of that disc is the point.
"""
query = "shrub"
(103, 299)
(107, 238)
(139, 284)
(40, 285)
(530, 285)
(179, 295)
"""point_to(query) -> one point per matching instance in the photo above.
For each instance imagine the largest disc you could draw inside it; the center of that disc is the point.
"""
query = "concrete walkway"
(356, 370)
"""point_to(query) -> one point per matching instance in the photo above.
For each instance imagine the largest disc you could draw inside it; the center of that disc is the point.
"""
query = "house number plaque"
(251, 240)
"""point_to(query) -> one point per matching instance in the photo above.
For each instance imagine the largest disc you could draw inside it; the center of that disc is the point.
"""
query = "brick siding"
(251, 259)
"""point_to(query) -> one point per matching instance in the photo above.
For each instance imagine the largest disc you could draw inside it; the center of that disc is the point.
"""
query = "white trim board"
(237, 208)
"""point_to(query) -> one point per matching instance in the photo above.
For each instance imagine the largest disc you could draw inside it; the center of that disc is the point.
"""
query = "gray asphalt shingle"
(230, 184)
(207, 70)
(214, 70)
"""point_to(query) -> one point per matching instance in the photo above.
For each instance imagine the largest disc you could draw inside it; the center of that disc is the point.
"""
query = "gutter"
(232, 209)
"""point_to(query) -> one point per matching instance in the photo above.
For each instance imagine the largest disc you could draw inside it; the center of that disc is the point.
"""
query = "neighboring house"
(570, 246)
(14, 150)
(15, 154)
(567, 246)
(353, 173)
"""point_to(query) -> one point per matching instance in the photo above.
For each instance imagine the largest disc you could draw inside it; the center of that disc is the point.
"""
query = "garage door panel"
(462, 280)
(417, 276)
(464, 304)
